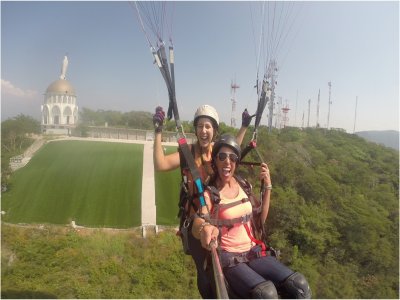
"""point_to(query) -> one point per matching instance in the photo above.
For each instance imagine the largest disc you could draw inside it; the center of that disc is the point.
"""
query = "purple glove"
(158, 119)
(246, 118)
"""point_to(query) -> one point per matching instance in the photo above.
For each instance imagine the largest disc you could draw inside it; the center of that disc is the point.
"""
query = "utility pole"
(272, 68)
(278, 113)
(317, 125)
(329, 104)
(285, 111)
(355, 116)
(234, 86)
(295, 109)
(308, 119)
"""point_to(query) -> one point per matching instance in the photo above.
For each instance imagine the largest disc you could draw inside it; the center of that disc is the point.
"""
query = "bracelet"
(202, 226)
(269, 187)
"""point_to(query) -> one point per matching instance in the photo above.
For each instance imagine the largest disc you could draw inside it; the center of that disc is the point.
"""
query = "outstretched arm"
(264, 175)
(241, 134)
(162, 162)
(246, 120)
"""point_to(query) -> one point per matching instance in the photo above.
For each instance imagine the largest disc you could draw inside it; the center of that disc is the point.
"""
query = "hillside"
(388, 138)
(334, 210)
(334, 215)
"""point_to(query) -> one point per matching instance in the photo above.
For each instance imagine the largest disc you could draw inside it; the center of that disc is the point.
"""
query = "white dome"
(61, 86)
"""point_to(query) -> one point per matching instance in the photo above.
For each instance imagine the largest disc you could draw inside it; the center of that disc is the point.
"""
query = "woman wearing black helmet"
(227, 219)
(206, 123)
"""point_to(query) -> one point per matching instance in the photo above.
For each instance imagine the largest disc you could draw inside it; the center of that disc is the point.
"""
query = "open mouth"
(204, 139)
(226, 172)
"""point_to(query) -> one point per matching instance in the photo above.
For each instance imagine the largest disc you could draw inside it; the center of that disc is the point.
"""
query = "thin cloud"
(7, 88)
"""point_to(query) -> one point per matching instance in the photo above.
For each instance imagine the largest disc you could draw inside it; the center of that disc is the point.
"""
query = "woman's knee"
(297, 286)
(264, 290)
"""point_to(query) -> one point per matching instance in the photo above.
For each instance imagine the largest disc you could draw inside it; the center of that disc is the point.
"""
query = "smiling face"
(225, 162)
(204, 132)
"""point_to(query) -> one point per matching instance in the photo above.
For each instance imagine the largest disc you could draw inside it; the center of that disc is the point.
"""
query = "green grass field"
(96, 184)
(93, 183)
(167, 194)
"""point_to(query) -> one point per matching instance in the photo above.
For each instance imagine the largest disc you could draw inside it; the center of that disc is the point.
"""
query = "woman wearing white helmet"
(206, 123)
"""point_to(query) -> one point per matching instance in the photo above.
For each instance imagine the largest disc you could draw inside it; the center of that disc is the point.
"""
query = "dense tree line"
(15, 138)
(335, 212)
(132, 119)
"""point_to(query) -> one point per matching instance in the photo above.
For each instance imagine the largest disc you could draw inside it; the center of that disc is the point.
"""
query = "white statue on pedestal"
(64, 68)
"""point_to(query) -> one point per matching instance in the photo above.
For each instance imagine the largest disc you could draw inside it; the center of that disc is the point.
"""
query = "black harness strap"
(193, 169)
(228, 205)
(231, 222)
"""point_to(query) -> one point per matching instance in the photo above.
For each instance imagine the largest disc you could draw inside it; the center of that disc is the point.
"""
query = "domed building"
(59, 109)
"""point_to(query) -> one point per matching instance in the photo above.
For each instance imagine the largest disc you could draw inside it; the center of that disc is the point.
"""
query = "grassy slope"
(56, 262)
(93, 183)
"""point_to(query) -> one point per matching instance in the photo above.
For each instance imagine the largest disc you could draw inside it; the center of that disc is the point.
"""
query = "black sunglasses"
(232, 156)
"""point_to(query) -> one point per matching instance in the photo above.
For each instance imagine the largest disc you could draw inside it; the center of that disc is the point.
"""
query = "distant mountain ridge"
(388, 138)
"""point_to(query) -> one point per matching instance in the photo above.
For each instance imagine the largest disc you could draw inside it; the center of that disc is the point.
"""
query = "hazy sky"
(353, 45)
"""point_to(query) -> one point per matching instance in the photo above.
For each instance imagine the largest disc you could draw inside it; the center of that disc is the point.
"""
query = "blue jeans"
(199, 255)
(246, 272)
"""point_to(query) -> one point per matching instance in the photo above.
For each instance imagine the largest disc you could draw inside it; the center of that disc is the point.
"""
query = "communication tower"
(355, 116)
(329, 103)
(272, 69)
(285, 118)
(317, 125)
(234, 86)
(278, 117)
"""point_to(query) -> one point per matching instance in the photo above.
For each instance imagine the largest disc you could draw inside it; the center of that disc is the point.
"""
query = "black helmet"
(226, 140)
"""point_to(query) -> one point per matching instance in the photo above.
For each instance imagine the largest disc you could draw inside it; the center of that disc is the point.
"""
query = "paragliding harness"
(257, 232)
(186, 199)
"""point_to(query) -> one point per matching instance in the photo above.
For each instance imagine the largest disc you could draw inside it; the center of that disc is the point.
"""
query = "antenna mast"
(295, 110)
(272, 68)
(278, 121)
(355, 116)
(319, 91)
(285, 111)
(234, 86)
(329, 103)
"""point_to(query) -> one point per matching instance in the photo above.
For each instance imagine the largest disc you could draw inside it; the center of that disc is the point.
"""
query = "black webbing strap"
(231, 222)
(262, 102)
(250, 146)
(169, 79)
(193, 169)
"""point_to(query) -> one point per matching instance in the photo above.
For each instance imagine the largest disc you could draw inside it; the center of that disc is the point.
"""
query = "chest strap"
(237, 202)
(231, 222)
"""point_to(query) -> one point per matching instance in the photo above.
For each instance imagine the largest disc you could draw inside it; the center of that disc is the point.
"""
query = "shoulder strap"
(193, 169)
(244, 184)
(214, 194)
(182, 159)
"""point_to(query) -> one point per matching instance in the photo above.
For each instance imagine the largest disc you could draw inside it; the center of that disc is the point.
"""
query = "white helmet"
(207, 111)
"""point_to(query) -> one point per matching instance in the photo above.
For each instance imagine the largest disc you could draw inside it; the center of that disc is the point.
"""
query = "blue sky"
(353, 45)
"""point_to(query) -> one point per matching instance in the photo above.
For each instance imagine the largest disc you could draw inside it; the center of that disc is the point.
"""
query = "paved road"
(148, 188)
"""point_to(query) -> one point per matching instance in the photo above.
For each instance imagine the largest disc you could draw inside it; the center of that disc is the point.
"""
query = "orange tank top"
(235, 239)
